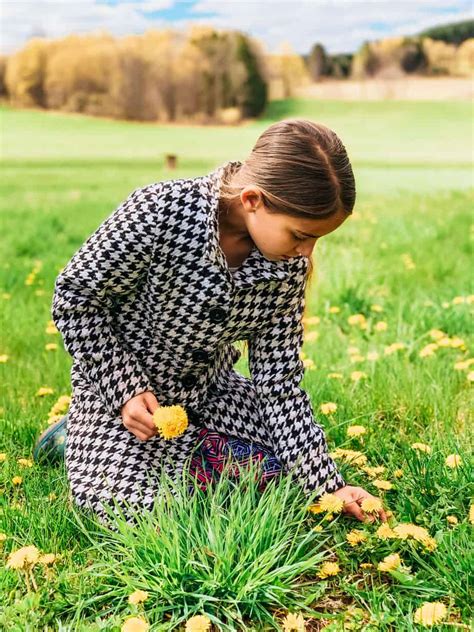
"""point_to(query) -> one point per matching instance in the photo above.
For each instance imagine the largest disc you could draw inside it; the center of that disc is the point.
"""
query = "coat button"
(199, 355)
(217, 314)
(188, 380)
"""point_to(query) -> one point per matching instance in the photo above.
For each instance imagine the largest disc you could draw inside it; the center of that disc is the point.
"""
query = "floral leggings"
(209, 459)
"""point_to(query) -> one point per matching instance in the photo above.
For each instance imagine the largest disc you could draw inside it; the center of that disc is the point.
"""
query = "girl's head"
(296, 186)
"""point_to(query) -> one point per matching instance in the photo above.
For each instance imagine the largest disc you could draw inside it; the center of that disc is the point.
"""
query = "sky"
(340, 25)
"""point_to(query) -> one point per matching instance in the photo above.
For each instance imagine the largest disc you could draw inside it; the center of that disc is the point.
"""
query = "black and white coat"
(149, 303)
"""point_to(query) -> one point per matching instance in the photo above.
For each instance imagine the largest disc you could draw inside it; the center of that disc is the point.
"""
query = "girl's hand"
(137, 415)
(352, 497)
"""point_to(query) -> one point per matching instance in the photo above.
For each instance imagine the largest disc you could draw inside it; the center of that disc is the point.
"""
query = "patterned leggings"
(216, 448)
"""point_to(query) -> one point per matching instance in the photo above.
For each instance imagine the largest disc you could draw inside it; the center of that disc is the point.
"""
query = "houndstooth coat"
(149, 303)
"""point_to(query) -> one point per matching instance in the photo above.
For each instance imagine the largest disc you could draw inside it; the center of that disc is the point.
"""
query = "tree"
(318, 63)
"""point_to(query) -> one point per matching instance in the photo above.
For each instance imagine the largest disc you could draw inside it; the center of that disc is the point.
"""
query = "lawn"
(388, 341)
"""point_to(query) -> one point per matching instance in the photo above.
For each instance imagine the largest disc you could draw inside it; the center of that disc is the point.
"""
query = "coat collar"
(256, 268)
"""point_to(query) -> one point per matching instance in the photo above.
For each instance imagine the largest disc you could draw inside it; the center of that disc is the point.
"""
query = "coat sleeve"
(277, 370)
(110, 263)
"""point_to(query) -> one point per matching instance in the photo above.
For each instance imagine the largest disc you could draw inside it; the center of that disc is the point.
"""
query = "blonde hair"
(301, 168)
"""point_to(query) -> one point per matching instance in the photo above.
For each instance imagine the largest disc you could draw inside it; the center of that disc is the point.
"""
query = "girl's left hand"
(352, 497)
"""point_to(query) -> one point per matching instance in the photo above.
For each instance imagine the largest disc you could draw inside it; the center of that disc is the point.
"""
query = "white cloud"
(341, 25)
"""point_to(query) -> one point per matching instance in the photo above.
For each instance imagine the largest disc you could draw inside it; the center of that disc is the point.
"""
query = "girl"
(151, 303)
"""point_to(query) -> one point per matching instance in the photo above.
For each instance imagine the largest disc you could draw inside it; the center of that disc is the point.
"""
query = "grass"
(247, 559)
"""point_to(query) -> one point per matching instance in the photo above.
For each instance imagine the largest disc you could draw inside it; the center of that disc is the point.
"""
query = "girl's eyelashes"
(299, 238)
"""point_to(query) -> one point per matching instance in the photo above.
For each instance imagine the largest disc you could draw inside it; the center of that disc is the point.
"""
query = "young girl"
(151, 303)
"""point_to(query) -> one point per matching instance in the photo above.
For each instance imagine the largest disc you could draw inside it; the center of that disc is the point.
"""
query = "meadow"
(389, 368)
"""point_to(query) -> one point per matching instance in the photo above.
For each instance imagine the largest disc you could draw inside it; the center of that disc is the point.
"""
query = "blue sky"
(340, 25)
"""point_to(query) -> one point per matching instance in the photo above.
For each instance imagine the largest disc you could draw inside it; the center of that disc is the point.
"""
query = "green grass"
(244, 558)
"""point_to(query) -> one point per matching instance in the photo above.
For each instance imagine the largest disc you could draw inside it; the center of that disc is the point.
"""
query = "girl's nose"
(307, 247)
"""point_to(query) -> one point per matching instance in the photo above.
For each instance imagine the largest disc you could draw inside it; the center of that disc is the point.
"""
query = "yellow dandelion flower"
(26, 556)
(374, 471)
(47, 558)
(357, 358)
(457, 343)
(318, 528)
(376, 308)
(366, 565)
(452, 520)
(171, 421)
(44, 390)
(198, 623)
(353, 350)
(135, 624)
(311, 320)
(453, 460)
(311, 336)
(421, 447)
(471, 514)
(393, 348)
(52, 496)
(429, 350)
(384, 532)
(330, 503)
(51, 346)
(398, 473)
(381, 484)
(334, 309)
(470, 376)
(293, 623)
(457, 300)
(329, 569)
(3, 456)
(371, 505)
(17, 480)
(303, 355)
(335, 376)
(407, 530)
(25, 462)
(408, 261)
(389, 563)
(372, 356)
(138, 596)
(355, 431)
(436, 334)
(381, 326)
(430, 613)
(463, 365)
(357, 319)
(308, 363)
(328, 408)
(355, 537)
(6, 295)
(3, 537)
(51, 328)
(3, 358)
(358, 375)
(354, 457)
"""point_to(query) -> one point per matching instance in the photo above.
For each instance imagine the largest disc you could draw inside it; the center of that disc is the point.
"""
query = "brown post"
(171, 161)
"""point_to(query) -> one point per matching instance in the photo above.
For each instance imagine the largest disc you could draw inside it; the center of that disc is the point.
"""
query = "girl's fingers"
(351, 507)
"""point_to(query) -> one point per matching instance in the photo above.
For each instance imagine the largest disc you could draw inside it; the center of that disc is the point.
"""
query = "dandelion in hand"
(371, 505)
(171, 421)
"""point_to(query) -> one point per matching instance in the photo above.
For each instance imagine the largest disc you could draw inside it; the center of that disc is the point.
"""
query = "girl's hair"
(301, 168)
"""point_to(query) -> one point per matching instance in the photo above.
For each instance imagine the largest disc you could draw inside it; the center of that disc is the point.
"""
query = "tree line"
(206, 75)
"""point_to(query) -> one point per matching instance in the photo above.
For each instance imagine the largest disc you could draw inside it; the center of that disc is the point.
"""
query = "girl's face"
(281, 236)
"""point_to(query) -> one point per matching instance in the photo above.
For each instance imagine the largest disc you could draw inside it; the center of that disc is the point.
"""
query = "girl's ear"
(251, 198)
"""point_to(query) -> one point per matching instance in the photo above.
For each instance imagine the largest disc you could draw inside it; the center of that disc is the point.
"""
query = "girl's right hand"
(137, 415)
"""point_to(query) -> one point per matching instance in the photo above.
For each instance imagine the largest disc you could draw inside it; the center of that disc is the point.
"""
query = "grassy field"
(388, 340)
